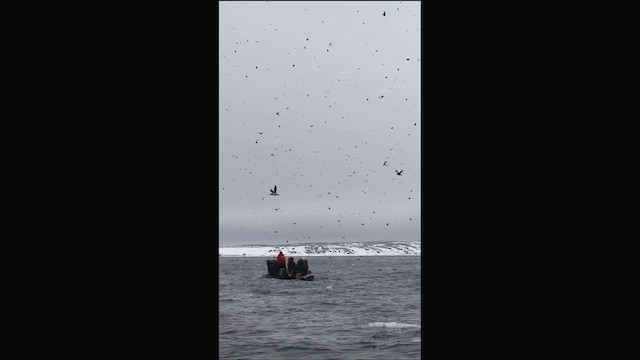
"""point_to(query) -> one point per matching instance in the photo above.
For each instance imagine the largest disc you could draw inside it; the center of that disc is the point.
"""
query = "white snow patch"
(412, 248)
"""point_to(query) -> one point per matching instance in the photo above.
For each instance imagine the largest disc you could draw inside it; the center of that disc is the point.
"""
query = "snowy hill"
(330, 249)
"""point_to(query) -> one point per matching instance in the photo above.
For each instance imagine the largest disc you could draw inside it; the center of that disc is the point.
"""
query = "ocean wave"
(392, 325)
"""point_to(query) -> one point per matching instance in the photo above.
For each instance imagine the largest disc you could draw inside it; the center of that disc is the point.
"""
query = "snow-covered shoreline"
(334, 249)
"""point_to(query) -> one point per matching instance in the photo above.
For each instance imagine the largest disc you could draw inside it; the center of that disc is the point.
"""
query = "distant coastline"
(396, 248)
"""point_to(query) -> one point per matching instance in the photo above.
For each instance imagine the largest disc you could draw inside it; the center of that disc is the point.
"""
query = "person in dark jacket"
(272, 267)
(299, 266)
(303, 267)
(291, 266)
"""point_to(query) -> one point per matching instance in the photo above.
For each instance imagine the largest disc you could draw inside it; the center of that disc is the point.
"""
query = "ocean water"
(356, 308)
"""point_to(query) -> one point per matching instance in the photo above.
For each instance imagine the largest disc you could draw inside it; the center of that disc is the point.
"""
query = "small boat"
(284, 274)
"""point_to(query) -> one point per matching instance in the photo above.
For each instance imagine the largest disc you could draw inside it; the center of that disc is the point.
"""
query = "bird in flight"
(385, 163)
(399, 173)
(274, 191)
(384, 13)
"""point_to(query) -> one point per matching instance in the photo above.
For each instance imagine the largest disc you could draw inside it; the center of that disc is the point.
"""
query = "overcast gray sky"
(314, 97)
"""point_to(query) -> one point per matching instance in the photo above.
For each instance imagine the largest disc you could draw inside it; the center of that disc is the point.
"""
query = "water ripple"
(350, 311)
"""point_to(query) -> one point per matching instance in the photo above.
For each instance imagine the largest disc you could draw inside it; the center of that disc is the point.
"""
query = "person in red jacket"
(281, 261)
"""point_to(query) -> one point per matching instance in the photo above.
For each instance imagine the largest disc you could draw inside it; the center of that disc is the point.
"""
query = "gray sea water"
(356, 308)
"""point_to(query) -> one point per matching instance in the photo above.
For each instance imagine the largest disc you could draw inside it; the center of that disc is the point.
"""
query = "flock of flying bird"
(274, 191)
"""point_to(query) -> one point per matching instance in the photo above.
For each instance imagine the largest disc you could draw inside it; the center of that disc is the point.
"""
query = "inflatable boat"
(284, 274)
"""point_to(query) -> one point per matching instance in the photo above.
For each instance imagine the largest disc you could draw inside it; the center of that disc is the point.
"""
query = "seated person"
(291, 266)
(280, 260)
(302, 266)
(272, 267)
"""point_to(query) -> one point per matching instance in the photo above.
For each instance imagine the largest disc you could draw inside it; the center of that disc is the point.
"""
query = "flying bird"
(385, 164)
(399, 173)
(384, 13)
(274, 191)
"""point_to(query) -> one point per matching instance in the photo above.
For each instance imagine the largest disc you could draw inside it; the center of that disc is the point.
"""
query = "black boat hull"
(307, 277)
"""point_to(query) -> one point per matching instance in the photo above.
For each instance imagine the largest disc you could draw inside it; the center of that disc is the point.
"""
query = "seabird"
(399, 173)
(385, 164)
(274, 191)
(384, 13)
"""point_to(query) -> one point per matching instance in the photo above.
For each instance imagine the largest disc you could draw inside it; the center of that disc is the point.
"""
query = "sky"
(315, 97)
